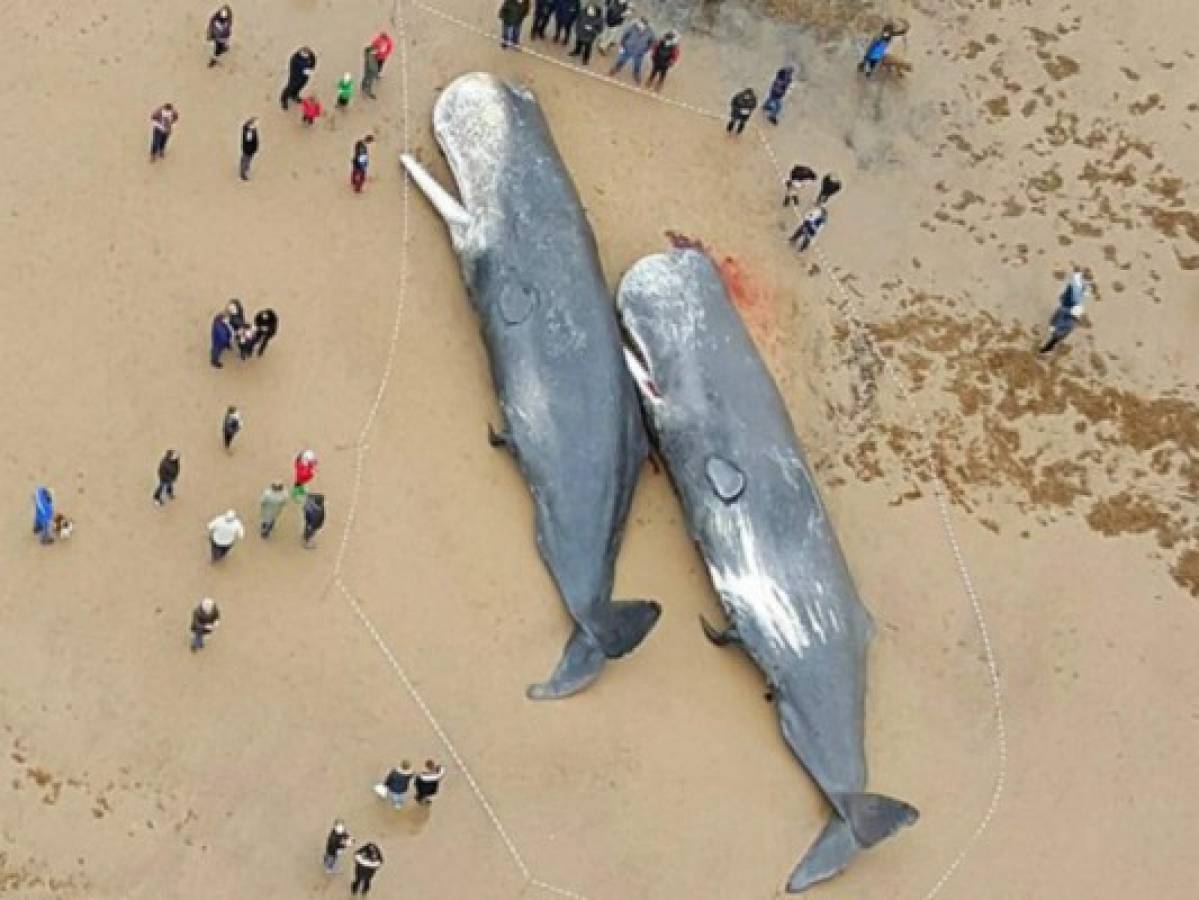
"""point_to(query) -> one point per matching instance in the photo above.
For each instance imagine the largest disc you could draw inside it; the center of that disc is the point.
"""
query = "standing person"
(512, 15)
(162, 123)
(383, 45)
(394, 786)
(314, 518)
(370, 70)
(636, 43)
(235, 313)
(428, 782)
(305, 470)
(366, 863)
(222, 339)
(799, 175)
(565, 14)
(168, 474)
(876, 51)
(43, 514)
(816, 219)
(1065, 317)
(266, 326)
(311, 109)
(223, 532)
(543, 10)
(274, 498)
(230, 426)
(337, 841)
(741, 107)
(247, 337)
(205, 619)
(615, 13)
(587, 29)
(773, 105)
(220, 32)
(299, 70)
(360, 161)
(345, 90)
(662, 58)
(829, 186)
(249, 146)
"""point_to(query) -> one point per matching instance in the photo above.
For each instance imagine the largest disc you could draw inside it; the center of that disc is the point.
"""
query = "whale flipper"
(581, 663)
(828, 856)
(871, 818)
(718, 637)
(874, 817)
(624, 624)
(457, 219)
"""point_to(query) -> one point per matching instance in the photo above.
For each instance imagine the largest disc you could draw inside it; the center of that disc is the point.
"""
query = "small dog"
(62, 526)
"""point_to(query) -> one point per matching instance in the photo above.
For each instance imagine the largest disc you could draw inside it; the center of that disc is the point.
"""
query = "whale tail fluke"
(869, 819)
(581, 663)
(624, 625)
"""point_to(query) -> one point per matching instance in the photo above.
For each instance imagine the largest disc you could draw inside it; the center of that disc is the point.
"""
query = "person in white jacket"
(223, 532)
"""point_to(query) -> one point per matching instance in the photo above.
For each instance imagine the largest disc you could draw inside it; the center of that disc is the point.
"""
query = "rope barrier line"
(849, 311)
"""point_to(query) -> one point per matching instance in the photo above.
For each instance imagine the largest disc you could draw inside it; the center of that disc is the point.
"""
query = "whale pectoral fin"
(718, 637)
(871, 818)
(875, 818)
(499, 438)
(581, 663)
(457, 219)
(829, 855)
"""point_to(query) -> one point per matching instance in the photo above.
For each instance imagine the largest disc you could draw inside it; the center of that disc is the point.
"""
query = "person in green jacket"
(345, 90)
(273, 500)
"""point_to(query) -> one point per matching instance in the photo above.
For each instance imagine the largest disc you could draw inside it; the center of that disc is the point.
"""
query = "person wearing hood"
(773, 104)
(205, 618)
(168, 473)
(662, 58)
(512, 16)
(43, 514)
(590, 23)
(636, 43)
(615, 13)
(565, 14)
(223, 532)
(222, 339)
(220, 32)
(741, 107)
(270, 505)
(314, 518)
(799, 175)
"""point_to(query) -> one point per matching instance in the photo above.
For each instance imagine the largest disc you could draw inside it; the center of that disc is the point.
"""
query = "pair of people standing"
(394, 786)
(744, 102)
(829, 186)
(271, 505)
(367, 861)
(374, 55)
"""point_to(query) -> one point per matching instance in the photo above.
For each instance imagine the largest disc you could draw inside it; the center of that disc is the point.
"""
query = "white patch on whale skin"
(473, 123)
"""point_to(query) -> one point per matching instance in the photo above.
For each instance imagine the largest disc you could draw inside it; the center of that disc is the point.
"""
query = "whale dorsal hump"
(725, 478)
(517, 302)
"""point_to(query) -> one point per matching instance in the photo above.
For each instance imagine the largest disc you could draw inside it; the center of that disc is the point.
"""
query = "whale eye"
(725, 478)
(517, 302)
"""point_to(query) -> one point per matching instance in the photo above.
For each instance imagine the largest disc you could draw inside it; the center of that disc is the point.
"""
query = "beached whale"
(571, 415)
(750, 502)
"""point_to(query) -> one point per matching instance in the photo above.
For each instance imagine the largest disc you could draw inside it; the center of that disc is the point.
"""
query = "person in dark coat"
(230, 426)
(773, 105)
(222, 339)
(588, 27)
(799, 176)
(512, 15)
(1065, 317)
(314, 517)
(741, 107)
(367, 862)
(337, 841)
(543, 11)
(428, 782)
(816, 219)
(205, 618)
(246, 337)
(168, 473)
(662, 58)
(249, 146)
(615, 13)
(299, 70)
(565, 14)
(394, 786)
(829, 185)
(220, 32)
(236, 314)
(266, 326)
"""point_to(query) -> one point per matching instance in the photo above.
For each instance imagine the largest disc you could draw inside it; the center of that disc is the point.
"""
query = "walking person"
(741, 107)
(829, 186)
(428, 782)
(314, 518)
(816, 219)
(1068, 312)
(299, 69)
(223, 532)
(337, 841)
(615, 13)
(565, 14)
(310, 109)
(266, 326)
(236, 314)
(220, 32)
(367, 862)
(168, 474)
(799, 176)
(543, 11)
(230, 426)
(587, 29)
(394, 786)
(370, 70)
(773, 105)
(345, 90)
(360, 161)
(305, 470)
(876, 51)
(249, 146)
(512, 15)
(383, 45)
(222, 339)
(247, 337)
(43, 514)
(205, 619)
(634, 46)
(270, 505)
(162, 123)
(662, 59)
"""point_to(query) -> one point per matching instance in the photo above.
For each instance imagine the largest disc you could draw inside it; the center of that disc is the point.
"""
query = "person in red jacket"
(664, 55)
(311, 109)
(382, 44)
(305, 467)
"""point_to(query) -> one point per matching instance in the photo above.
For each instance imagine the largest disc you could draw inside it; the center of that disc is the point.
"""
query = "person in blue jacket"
(876, 51)
(43, 514)
(222, 339)
(773, 104)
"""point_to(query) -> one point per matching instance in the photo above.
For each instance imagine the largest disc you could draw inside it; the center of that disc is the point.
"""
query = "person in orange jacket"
(382, 45)
(311, 109)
